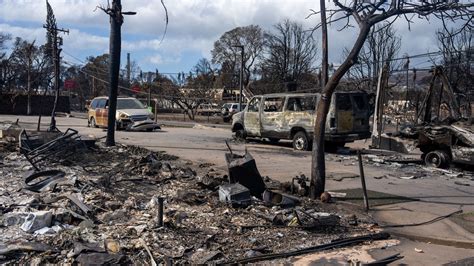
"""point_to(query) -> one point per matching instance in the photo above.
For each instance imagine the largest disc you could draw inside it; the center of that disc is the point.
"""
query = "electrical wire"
(439, 218)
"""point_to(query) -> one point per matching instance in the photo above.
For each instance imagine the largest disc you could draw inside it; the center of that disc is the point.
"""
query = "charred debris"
(439, 126)
(67, 199)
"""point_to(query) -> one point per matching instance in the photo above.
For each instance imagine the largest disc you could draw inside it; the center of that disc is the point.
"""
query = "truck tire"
(438, 159)
(301, 142)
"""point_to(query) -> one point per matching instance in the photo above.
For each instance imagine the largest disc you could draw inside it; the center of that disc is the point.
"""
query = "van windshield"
(129, 104)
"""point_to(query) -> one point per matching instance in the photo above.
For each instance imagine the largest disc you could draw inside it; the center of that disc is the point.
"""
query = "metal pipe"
(313, 249)
(160, 211)
(362, 180)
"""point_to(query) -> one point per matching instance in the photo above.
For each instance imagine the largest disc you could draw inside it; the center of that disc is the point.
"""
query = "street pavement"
(206, 144)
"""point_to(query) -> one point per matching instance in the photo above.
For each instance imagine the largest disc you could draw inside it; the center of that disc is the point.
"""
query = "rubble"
(10, 130)
(36, 149)
(235, 194)
(106, 209)
(37, 220)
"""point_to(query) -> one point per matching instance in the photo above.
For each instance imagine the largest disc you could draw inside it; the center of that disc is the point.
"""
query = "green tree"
(381, 46)
(227, 55)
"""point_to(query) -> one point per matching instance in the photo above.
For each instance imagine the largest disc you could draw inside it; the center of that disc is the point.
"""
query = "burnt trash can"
(243, 170)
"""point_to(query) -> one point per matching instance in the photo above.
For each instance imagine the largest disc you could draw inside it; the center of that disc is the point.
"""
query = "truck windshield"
(129, 104)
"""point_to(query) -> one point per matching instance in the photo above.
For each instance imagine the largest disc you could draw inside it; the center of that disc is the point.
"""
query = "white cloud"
(158, 59)
(30, 34)
(193, 27)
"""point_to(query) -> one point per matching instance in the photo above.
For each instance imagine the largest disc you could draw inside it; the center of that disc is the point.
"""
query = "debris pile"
(125, 204)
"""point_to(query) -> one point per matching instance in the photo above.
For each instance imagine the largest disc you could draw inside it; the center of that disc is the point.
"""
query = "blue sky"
(194, 25)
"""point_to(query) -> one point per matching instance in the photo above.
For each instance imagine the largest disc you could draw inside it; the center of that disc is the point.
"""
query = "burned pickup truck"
(291, 116)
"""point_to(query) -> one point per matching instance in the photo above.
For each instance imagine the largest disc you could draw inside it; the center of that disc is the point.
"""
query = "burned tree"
(458, 57)
(3, 62)
(191, 90)
(28, 63)
(381, 47)
(366, 14)
(291, 52)
(115, 46)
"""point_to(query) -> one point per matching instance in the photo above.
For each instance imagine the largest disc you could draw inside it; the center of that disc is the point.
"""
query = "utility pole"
(149, 78)
(93, 86)
(407, 66)
(241, 77)
(318, 167)
(129, 69)
(324, 43)
(115, 46)
(55, 41)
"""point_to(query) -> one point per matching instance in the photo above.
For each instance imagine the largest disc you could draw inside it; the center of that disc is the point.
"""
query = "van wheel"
(92, 122)
(240, 134)
(300, 141)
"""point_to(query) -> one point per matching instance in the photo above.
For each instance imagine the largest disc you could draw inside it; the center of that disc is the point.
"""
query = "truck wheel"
(438, 159)
(301, 142)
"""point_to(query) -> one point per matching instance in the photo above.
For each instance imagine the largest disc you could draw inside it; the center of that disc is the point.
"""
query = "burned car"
(230, 109)
(444, 144)
(292, 116)
(129, 111)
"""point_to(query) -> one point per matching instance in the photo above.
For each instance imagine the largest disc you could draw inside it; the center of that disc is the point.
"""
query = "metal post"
(148, 80)
(241, 76)
(160, 211)
(362, 180)
(128, 68)
(156, 110)
(406, 96)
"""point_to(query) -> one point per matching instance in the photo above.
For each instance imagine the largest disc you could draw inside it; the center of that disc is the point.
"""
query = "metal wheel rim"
(299, 143)
(434, 159)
